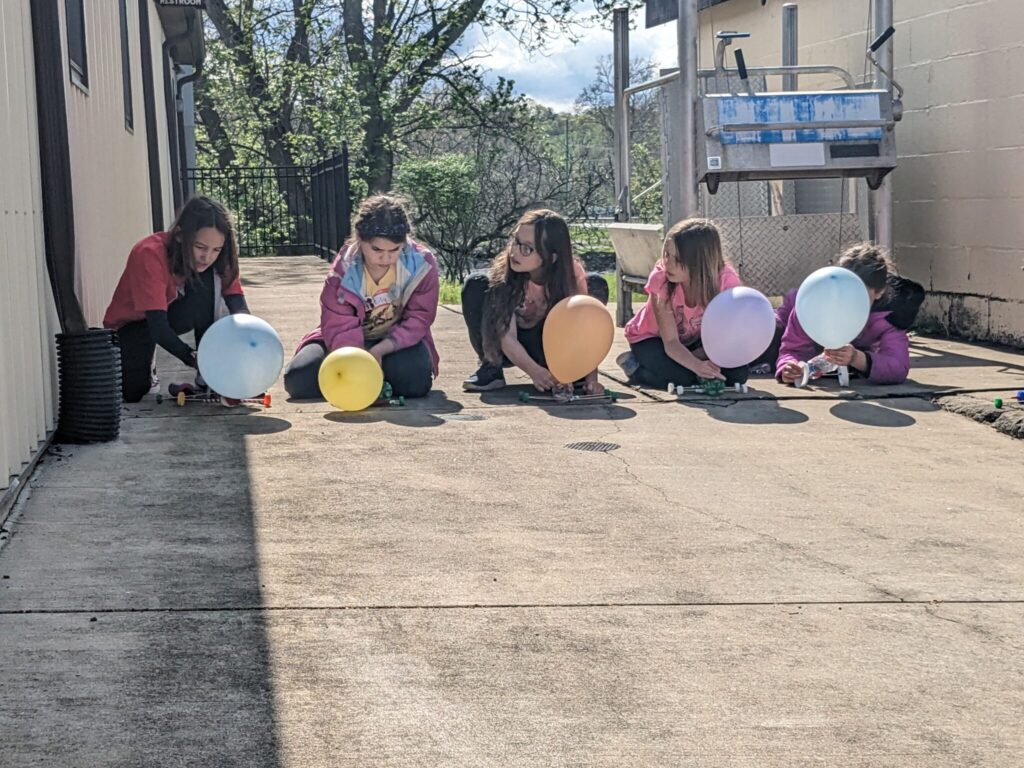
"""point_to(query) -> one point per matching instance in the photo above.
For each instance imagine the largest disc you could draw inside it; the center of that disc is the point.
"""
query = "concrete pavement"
(778, 579)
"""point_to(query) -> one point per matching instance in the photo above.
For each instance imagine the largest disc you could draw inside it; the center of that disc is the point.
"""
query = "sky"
(555, 79)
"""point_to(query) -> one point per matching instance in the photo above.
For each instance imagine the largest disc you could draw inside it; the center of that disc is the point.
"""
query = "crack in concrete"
(510, 606)
(805, 556)
(929, 608)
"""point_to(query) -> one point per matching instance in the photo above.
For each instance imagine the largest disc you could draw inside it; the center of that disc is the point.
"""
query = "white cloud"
(556, 77)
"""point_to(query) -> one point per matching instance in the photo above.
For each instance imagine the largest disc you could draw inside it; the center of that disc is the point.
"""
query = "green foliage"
(469, 187)
(287, 81)
(444, 191)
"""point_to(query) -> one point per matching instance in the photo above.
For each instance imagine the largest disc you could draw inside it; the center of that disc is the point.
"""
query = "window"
(126, 69)
(76, 42)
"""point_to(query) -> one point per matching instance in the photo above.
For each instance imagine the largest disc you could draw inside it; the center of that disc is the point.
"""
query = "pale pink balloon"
(738, 326)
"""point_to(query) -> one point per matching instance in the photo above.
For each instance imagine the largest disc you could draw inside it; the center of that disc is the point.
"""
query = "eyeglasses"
(524, 248)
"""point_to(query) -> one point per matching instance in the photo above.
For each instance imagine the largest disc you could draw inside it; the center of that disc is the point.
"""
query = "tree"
(469, 187)
(272, 93)
(285, 69)
(597, 100)
(596, 103)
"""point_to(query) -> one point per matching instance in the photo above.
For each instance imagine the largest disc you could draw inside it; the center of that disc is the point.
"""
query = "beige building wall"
(108, 160)
(27, 315)
(959, 189)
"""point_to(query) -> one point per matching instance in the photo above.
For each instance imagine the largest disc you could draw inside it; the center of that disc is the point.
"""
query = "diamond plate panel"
(775, 253)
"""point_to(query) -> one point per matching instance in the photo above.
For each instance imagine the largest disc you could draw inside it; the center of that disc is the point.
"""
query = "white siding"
(109, 164)
(27, 390)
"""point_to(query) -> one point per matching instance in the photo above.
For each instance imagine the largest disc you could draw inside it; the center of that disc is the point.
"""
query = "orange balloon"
(577, 335)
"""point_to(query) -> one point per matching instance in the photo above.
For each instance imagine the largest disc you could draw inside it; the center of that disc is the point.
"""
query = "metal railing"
(283, 211)
(332, 203)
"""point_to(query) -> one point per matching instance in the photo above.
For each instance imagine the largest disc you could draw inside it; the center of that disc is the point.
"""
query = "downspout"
(188, 186)
(55, 164)
(170, 107)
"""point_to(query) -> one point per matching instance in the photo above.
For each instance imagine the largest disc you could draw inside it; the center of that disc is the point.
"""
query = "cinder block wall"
(959, 190)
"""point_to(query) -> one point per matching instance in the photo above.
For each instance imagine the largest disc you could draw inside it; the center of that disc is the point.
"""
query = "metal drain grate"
(462, 417)
(593, 446)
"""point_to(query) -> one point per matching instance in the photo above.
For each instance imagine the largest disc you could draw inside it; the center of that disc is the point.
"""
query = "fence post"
(331, 209)
(315, 173)
(344, 230)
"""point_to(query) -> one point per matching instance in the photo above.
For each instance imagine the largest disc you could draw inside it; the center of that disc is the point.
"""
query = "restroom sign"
(201, 4)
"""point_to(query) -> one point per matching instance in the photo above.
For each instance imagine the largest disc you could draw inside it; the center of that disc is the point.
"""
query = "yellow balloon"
(350, 379)
(578, 333)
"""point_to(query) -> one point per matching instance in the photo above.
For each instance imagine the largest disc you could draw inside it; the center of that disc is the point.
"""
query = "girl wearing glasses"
(505, 311)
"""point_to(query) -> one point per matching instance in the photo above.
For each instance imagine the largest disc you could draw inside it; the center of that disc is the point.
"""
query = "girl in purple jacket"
(381, 294)
(881, 352)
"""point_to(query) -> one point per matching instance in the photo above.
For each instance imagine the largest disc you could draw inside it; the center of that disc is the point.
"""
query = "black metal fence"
(283, 211)
(332, 203)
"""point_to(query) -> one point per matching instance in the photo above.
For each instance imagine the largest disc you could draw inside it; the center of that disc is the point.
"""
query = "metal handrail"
(644, 193)
(802, 69)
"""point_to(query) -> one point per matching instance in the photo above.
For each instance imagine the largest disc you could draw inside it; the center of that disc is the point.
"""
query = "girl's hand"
(791, 373)
(705, 369)
(842, 356)
(591, 386)
(380, 350)
(543, 381)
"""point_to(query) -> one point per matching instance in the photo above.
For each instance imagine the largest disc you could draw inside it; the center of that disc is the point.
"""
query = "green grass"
(590, 238)
(451, 291)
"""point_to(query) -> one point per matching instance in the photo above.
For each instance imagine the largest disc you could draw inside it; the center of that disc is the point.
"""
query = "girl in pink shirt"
(664, 336)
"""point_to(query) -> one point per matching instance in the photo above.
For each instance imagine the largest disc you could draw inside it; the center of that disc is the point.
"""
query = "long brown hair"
(199, 213)
(507, 288)
(699, 249)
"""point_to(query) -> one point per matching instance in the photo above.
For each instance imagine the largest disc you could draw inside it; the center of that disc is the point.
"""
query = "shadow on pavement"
(871, 415)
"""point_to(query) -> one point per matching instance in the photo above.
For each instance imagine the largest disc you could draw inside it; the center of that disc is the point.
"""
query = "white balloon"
(240, 356)
(833, 305)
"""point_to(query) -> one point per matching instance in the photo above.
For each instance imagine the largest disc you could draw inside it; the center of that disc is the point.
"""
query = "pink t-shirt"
(644, 324)
(535, 301)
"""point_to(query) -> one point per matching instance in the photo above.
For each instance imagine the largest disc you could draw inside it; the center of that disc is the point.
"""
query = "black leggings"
(192, 311)
(659, 370)
(409, 371)
(474, 300)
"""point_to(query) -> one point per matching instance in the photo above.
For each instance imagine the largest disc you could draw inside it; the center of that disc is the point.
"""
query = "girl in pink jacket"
(664, 336)
(381, 294)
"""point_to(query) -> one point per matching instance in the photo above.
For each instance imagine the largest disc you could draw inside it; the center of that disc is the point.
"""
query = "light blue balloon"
(833, 305)
(240, 356)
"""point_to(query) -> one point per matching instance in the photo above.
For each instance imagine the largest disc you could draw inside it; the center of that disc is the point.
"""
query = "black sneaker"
(486, 377)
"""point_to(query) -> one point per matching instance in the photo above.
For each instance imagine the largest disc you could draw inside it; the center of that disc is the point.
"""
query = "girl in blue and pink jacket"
(881, 352)
(381, 294)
